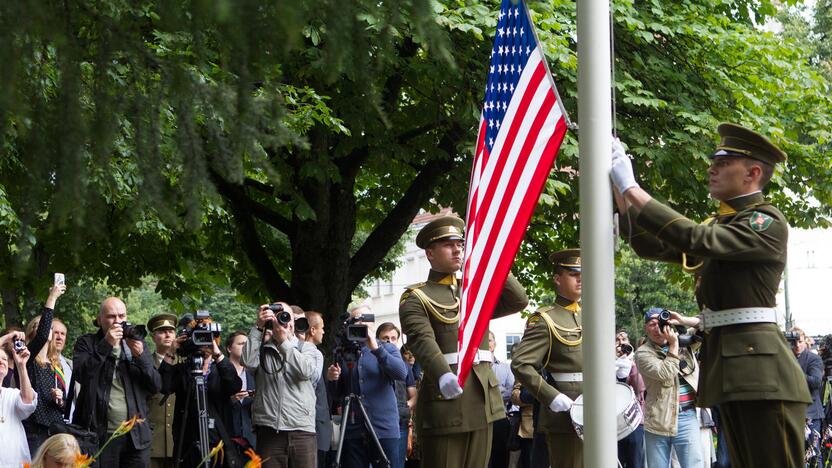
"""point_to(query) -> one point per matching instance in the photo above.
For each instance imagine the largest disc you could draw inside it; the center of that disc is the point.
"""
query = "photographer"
(221, 382)
(283, 413)
(671, 376)
(812, 366)
(117, 378)
(368, 369)
(42, 369)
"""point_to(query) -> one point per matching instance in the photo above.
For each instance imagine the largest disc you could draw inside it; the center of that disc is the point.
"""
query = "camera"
(301, 325)
(200, 330)
(685, 339)
(625, 348)
(134, 332)
(19, 346)
(354, 330)
(792, 337)
(282, 315)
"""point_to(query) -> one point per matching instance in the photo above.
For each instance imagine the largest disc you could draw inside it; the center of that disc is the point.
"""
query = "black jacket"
(93, 365)
(238, 413)
(222, 382)
(812, 366)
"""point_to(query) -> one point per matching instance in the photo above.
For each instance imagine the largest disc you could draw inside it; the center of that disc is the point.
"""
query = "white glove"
(449, 386)
(622, 169)
(622, 367)
(560, 403)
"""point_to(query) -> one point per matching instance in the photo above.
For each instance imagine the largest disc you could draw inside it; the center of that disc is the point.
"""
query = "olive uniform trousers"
(750, 427)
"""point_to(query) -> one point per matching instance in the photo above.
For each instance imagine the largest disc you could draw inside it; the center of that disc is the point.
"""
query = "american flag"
(521, 129)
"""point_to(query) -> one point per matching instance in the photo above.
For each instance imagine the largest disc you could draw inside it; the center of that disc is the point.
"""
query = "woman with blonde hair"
(45, 372)
(58, 451)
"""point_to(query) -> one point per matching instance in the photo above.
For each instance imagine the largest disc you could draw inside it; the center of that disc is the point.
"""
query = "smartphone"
(59, 278)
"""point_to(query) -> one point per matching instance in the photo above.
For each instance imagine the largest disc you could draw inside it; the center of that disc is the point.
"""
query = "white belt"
(721, 318)
(482, 355)
(567, 376)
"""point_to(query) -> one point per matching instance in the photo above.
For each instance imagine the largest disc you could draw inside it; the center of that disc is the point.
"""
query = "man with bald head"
(117, 377)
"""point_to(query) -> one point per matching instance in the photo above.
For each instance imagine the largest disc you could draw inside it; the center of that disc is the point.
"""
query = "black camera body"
(354, 330)
(625, 348)
(19, 346)
(282, 316)
(792, 337)
(134, 332)
(685, 339)
(201, 332)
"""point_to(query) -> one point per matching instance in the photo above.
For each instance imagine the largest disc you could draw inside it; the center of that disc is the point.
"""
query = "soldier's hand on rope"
(449, 386)
(622, 168)
(561, 403)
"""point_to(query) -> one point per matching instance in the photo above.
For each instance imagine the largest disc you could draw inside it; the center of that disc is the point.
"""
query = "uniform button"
(750, 349)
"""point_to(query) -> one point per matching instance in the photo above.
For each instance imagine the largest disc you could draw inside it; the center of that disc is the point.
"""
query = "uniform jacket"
(537, 346)
(161, 420)
(661, 372)
(285, 397)
(812, 366)
(742, 255)
(93, 365)
(429, 338)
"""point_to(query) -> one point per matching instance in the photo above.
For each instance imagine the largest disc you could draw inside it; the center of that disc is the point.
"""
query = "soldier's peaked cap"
(569, 259)
(736, 140)
(160, 321)
(446, 227)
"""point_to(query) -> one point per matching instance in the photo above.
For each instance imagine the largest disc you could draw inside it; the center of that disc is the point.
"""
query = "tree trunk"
(11, 306)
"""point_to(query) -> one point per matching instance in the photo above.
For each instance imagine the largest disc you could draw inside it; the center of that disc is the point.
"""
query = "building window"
(511, 340)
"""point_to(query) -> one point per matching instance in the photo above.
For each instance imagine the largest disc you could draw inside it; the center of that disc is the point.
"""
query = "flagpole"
(569, 124)
(598, 303)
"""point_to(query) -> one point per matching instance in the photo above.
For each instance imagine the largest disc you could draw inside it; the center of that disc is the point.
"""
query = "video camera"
(792, 337)
(685, 339)
(354, 330)
(134, 332)
(200, 330)
(19, 346)
(352, 336)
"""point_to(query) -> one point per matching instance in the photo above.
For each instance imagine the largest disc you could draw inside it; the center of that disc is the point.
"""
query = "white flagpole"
(598, 309)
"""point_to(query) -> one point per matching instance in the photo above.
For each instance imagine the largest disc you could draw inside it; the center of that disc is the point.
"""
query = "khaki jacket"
(161, 421)
(540, 348)
(430, 337)
(661, 372)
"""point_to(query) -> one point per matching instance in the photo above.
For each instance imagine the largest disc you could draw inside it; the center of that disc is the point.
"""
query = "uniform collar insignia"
(725, 209)
(442, 278)
(568, 304)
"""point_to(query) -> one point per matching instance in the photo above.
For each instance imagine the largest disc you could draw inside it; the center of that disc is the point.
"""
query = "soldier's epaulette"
(407, 290)
(544, 309)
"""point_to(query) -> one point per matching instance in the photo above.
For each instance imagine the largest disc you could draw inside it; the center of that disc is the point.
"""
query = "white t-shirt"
(12, 411)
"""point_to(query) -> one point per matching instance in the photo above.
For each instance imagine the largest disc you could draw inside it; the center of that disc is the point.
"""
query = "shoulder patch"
(759, 221)
(532, 322)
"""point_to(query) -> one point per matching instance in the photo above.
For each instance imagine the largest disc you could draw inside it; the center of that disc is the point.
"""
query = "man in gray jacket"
(283, 412)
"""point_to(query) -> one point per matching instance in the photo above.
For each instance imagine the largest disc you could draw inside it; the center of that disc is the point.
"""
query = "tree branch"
(391, 229)
(240, 207)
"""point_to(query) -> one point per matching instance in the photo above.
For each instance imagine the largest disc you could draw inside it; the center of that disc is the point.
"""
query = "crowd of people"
(270, 394)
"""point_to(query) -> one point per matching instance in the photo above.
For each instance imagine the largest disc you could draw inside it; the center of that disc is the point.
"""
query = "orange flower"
(83, 460)
(254, 460)
(127, 426)
(217, 454)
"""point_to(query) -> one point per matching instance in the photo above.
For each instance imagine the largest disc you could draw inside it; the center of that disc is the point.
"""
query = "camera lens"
(284, 317)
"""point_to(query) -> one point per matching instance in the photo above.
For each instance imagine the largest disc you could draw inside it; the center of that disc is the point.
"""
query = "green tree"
(282, 150)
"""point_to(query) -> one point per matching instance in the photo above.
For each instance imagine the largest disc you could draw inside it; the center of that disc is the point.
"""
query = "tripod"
(198, 388)
(348, 400)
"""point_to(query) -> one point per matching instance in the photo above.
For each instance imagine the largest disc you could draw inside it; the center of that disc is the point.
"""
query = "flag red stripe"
(505, 198)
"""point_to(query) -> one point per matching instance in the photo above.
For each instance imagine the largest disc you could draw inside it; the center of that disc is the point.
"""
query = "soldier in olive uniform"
(454, 427)
(738, 256)
(552, 341)
(162, 328)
